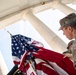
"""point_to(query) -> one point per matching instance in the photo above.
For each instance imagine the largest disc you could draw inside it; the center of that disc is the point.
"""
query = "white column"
(62, 7)
(3, 67)
(50, 37)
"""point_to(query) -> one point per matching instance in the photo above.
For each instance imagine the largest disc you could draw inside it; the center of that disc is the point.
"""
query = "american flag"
(22, 44)
(46, 62)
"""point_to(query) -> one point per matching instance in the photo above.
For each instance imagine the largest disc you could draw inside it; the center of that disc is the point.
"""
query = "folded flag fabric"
(33, 59)
(48, 63)
(41, 67)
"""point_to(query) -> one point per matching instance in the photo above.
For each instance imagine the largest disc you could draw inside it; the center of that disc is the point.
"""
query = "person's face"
(68, 32)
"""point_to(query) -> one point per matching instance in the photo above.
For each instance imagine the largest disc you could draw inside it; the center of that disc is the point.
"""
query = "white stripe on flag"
(58, 69)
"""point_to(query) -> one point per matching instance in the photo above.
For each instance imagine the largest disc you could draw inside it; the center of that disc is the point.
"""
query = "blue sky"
(49, 17)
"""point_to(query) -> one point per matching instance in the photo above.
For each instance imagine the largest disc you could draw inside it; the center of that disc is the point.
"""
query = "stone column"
(62, 7)
(50, 37)
(3, 67)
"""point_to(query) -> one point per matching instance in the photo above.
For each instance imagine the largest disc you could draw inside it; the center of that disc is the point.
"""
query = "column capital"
(62, 7)
(55, 3)
(26, 12)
